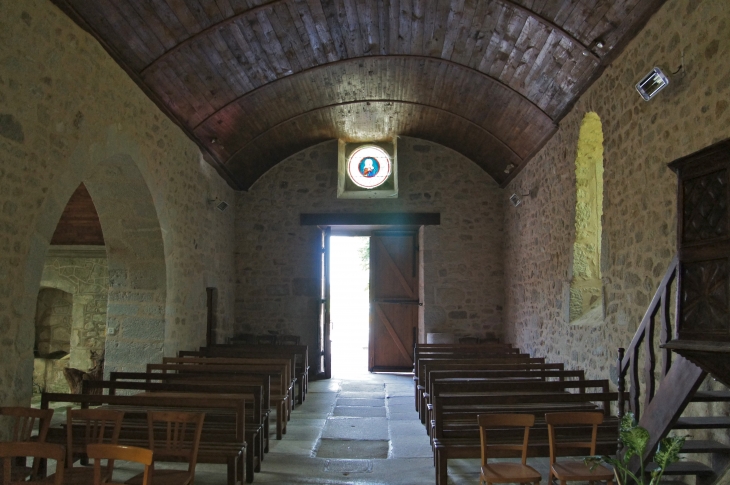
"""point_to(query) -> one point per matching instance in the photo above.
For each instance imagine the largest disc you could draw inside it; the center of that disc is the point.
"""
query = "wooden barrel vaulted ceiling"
(254, 81)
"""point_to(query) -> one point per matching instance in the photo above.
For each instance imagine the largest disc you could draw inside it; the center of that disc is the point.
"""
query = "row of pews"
(238, 387)
(455, 383)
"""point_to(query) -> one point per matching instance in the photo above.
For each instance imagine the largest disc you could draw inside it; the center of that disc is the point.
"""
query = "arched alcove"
(586, 289)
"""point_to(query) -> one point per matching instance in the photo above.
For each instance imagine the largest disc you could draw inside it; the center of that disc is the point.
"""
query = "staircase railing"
(628, 361)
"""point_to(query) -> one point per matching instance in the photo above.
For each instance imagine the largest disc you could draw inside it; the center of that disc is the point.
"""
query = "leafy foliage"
(635, 440)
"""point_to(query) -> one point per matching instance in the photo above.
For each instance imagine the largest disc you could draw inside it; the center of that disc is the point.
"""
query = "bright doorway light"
(349, 304)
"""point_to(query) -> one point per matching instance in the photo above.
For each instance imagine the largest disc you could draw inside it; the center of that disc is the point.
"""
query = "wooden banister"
(628, 362)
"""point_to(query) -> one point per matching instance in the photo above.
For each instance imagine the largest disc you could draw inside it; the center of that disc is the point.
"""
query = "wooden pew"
(277, 374)
(229, 448)
(456, 406)
(469, 361)
(287, 362)
(254, 435)
(500, 374)
(299, 352)
(226, 379)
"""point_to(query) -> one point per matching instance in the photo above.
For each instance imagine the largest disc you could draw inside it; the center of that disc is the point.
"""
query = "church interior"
(171, 172)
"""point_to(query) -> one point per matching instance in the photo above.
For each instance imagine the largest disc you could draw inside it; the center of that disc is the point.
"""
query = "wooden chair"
(23, 449)
(468, 340)
(85, 427)
(174, 436)
(266, 339)
(506, 472)
(118, 452)
(566, 471)
(25, 421)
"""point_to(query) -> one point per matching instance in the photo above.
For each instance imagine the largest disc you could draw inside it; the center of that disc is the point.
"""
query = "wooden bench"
(288, 364)
(277, 374)
(537, 374)
(254, 435)
(456, 432)
(224, 380)
(299, 352)
(227, 448)
(419, 379)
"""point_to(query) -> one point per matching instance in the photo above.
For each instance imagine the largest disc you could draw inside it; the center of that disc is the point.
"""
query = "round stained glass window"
(369, 167)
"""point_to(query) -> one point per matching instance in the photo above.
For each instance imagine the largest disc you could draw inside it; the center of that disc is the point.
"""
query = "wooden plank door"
(393, 300)
(324, 343)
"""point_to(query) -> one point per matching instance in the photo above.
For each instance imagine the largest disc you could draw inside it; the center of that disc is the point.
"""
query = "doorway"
(349, 307)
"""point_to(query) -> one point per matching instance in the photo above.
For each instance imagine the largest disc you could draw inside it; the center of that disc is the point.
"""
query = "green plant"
(635, 439)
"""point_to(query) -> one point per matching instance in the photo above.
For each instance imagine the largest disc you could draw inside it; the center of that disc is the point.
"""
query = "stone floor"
(362, 429)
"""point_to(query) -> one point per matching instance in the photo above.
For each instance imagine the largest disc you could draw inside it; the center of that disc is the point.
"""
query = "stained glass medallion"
(369, 167)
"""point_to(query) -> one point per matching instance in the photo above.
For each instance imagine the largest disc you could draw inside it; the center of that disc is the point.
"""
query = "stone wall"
(277, 260)
(53, 321)
(639, 210)
(69, 114)
(83, 273)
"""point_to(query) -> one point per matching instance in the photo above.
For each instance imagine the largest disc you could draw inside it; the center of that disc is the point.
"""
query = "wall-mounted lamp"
(652, 83)
(221, 205)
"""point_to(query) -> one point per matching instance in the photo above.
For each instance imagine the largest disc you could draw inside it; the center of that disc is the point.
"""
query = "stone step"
(703, 422)
(705, 446)
(711, 396)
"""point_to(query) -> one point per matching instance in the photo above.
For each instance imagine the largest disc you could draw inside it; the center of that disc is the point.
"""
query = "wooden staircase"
(670, 390)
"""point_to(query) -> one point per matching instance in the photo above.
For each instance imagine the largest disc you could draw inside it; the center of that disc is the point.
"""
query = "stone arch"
(135, 252)
(586, 288)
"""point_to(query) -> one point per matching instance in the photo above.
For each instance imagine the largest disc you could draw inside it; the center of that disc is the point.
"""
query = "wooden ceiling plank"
(565, 10)
(367, 14)
(527, 48)
(307, 29)
(405, 16)
(334, 28)
(436, 43)
(190, 76)
(114, 29)
(210, 12)
(518, 40)
(225, 8)
(575, 21)
(481, 27)
(459, 49)
(320, 28)
(384, 26)
(494, 38)
(394, 44)
(141, 28)
(245, 54)
(221, 56)
(259, 56)
(454, 28)
(238, 63)
(508, 44)
(164, 32)
(418, 37)
(596, 22)
(347, 10)
(293, 44)
(530, 56)
(494, 47)
(185, 16)
(211, 73)
(169, 91)
(269, 42)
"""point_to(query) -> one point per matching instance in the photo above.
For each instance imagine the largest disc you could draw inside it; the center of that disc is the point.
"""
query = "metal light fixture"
(652, 83)
(219, 204)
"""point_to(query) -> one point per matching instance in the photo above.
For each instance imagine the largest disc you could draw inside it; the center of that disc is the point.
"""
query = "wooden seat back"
(99, 451)
(11, 450)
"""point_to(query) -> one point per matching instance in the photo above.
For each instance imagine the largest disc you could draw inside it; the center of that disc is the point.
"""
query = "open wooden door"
(325, 345)
(393, 300)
